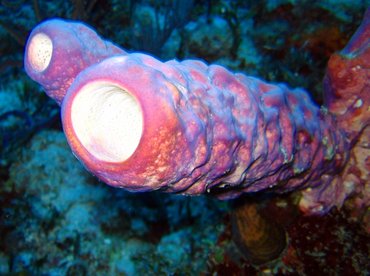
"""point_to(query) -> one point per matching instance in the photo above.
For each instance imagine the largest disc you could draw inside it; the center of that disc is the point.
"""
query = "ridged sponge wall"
(203, 129)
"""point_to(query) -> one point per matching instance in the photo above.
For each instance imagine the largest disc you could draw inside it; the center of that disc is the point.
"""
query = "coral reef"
(56, 219)
(75, 224)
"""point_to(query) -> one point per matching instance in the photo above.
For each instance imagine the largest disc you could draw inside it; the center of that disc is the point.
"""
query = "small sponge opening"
(107, 120)
(40, 51)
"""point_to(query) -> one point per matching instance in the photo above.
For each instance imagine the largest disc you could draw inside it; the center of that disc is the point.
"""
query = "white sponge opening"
(107, 120)
(40, 51)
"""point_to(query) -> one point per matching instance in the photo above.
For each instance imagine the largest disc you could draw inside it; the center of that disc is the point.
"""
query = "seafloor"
(57, 219)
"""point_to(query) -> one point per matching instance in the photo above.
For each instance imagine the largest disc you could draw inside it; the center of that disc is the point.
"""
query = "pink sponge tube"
(347, 82)
(58, 50)
(186, 127)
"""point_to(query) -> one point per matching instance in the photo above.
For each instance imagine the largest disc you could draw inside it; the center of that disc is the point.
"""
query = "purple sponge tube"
(183, 127)
(58, 50)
